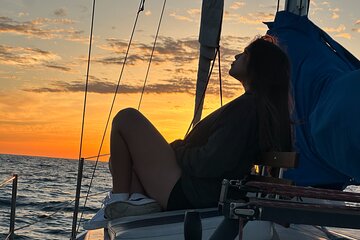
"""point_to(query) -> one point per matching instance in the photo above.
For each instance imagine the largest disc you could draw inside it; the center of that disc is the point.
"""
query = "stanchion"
(13, 207)
(77, 198)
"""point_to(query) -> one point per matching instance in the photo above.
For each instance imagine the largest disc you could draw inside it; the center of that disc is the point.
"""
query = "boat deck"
(170, 226)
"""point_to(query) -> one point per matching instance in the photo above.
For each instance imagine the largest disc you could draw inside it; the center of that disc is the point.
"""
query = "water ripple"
(46, 186)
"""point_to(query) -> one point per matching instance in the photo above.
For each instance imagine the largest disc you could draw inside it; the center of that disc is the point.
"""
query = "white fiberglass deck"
(168, 225)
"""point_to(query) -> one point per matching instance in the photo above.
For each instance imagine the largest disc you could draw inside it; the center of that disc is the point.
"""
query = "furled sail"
(209, 37)
(326, 85)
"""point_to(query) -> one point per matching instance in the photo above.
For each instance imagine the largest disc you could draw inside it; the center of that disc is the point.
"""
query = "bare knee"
(126, 117)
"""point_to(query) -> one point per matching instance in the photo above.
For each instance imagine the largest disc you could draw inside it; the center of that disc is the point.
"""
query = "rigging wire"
(220, 80)
(87, 79)
(85, 97)
(203, 93)
(141, 8)
(278, 5)
(152, 53)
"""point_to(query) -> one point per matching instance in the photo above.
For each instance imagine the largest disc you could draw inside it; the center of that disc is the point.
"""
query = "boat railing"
(14, 180)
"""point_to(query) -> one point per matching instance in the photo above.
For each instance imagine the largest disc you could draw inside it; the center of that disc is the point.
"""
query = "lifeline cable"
(152, 53)
(6, 181)
(141, 8)
(102, 155)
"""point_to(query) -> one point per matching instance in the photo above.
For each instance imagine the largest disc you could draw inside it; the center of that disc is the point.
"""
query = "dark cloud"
(26, 122)
(232, 45)
(131, 60)
(178, 85)
(118, 46)
(251, 18)
(175, 51)
(44, 28)
(171, 86)
(26, 28)
(24, 56)
(57, 67)
(61, 12)
(29, 57)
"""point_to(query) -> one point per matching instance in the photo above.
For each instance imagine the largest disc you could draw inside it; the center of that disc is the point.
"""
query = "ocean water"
(47, 186)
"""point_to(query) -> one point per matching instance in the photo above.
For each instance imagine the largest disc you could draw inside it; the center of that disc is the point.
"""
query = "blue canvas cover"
(326, 92)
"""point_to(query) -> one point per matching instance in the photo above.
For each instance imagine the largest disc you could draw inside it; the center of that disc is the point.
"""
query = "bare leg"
(136, 144)
(121, 171)
(136, 186)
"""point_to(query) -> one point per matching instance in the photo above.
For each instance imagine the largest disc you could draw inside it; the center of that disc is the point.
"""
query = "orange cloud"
(344, 35)
(43, 28)
(335, 13)
(191, 15)
(251, 18)
(25, 56)
(181, 17)
(339, 29)
(237, 5)
(194, 11)
(357, 26)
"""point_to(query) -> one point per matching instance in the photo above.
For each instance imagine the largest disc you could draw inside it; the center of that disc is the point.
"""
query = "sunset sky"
(43, 52)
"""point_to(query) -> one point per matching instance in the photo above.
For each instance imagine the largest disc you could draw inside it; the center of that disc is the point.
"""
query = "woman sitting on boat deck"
(151, 175)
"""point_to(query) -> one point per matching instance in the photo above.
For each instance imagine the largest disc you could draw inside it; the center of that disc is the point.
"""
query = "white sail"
(210, 29)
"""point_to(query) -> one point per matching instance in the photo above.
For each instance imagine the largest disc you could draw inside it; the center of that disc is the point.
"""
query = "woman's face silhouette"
(238, 67)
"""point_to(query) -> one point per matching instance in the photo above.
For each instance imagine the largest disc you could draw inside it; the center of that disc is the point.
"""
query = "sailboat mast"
(298, 7)
(210, 29)
(209, 38)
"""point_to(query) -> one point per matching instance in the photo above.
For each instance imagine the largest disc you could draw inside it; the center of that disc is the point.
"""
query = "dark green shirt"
(222, 145)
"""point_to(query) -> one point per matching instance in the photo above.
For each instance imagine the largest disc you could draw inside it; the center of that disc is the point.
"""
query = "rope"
(152, 53)
(278, 5)
(203, 93)
(8, 236)
(332, 236)
(220, 80)
(6, 181)
(141, 8)
(63, 206)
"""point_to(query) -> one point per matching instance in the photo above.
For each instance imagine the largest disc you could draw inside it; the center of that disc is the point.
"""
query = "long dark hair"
(268, 70)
